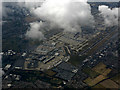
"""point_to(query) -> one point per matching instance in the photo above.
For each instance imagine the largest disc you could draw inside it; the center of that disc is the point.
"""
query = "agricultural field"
(90, 72)
(116, 78)
(98, 86)
(92, 82)
(96, 74)
(100, 68)
(50, 72)
(109, 84)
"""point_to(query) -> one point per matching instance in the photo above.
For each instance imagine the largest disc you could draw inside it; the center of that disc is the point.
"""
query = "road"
(97, 44)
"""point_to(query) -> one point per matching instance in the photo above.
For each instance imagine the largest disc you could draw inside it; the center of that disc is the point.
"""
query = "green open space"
(76, 60)
(90, 72)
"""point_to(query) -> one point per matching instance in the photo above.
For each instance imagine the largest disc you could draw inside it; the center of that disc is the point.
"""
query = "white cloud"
(110, 15)
(64, 14)
(34, 31)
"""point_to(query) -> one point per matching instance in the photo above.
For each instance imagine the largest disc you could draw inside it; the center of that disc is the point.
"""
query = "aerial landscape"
(60, 44)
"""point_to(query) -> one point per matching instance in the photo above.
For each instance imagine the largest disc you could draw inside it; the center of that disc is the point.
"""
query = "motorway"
(90, 50)
(108, 39)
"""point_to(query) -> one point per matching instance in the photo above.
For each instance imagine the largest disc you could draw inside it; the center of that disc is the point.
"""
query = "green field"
(90, 72)
(76, 60)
